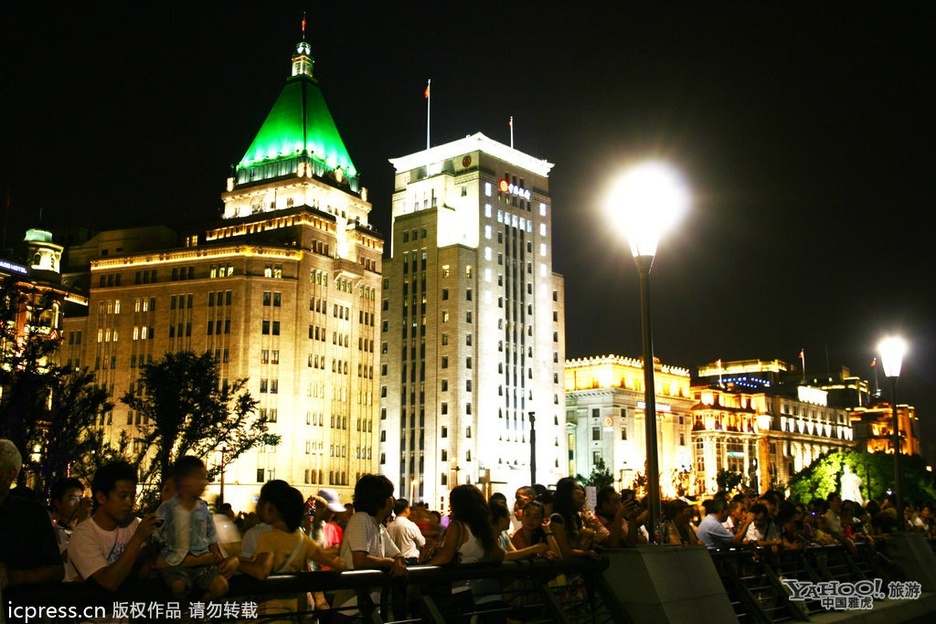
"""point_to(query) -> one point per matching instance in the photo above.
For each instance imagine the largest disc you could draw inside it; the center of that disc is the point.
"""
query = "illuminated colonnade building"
(737, 418)
(472, 338)
(605, 420)
(750, 419)
(283, 290)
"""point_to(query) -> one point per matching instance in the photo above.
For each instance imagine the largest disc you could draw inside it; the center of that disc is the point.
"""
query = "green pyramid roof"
(299, 124)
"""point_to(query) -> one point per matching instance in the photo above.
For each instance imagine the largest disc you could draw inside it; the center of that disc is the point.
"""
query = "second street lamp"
(892, 352)
(646, 200)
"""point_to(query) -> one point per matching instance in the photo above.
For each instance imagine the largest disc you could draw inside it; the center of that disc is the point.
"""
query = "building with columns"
(874, 428)
(283, 290)
(737, 417)
(472, 342)
(747, 420)
(605, 420)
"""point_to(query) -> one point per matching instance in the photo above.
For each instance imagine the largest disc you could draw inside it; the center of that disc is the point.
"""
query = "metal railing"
(566, 591)
(753, 578)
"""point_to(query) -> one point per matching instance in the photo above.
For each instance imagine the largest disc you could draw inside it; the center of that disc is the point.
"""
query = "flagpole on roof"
(511, 131)
(428, 109)
(802, 357)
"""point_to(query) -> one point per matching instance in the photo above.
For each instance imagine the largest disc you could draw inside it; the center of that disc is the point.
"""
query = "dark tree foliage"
(728, 480)
(24, 370)
(600, 476)
(46, 410)
(68, 438)
(190, 412)
(876, 471)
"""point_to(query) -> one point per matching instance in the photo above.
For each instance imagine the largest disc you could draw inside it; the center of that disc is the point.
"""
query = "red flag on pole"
(426, 92)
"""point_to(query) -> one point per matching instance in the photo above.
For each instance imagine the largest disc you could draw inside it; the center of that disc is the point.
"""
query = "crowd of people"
(101, 540)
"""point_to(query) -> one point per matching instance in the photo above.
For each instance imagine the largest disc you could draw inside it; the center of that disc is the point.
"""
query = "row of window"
(215, 327)
(220, 270)
(222, 297)
(313, 476)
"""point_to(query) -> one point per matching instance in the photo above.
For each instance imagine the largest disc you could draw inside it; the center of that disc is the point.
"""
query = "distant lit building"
(35, 273)
(874, 428)
(472, 340)
(284, 290)
(750, 419)
(605, 420)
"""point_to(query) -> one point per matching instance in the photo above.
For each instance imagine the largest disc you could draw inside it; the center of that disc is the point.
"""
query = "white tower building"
(472, 337)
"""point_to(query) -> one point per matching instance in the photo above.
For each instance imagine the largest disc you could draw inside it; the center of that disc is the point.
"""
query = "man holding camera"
(106, 547)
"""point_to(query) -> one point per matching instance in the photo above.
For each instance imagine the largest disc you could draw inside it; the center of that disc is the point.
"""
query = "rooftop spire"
(302, 60)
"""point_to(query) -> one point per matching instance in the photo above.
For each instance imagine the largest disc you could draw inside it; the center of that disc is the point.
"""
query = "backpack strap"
(291, 556)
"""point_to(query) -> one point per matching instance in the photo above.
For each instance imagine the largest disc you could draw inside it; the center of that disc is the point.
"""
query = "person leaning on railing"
(469, 538)
(678, 530)
(367, 544)
(284, 548)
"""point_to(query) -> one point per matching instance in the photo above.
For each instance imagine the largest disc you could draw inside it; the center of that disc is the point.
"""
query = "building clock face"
(466, 161)
(608, 421)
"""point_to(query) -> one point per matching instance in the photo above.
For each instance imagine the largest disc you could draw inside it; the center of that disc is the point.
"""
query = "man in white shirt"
(712, 533)
(404, 532)
(105, 547)
(367, 544)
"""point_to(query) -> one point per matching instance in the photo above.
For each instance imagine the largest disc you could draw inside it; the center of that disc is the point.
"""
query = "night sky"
(806, 135)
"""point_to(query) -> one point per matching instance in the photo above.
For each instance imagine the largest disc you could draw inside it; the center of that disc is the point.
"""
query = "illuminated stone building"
(605, 420)
(472, 338)
(746, 421)
(874, 428)
(35, 272)
(283, 290)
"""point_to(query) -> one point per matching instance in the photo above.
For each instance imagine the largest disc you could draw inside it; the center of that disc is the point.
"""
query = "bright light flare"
(646, 201)
(892, 350)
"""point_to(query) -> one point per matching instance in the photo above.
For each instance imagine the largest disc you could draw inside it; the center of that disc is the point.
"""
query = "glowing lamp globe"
(892, 351)
(646, 201)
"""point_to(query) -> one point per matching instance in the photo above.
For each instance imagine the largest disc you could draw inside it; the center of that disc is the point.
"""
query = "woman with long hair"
(533, 538)
(469, 538)
(573, 539)
(678, 529)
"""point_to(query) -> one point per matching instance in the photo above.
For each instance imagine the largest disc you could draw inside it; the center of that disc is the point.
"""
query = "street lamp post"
(647, 199)
(892, 351)
(223, 450)
(532, 448)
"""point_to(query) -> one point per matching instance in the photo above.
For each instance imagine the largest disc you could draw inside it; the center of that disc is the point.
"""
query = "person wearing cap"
(333, 531)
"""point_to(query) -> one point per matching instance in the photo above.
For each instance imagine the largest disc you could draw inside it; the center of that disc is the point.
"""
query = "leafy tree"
(24, 368)
(728, 480)
(46, 410)
(67, 437)
(875, 469)
(190, 412)
(680, 481)
(600, 476)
